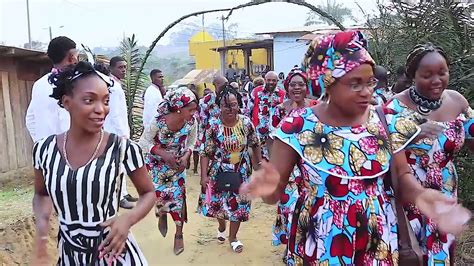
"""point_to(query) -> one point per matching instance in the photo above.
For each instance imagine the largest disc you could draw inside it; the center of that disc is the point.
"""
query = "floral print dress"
(263, 104)
(293, 190)
(169, 184)
(208, 108)
(246, 104)
(382, 95)
(345, 216)
(432, 164)
(228, 150)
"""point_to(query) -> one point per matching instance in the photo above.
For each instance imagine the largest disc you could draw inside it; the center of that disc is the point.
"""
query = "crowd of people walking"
(335, 146)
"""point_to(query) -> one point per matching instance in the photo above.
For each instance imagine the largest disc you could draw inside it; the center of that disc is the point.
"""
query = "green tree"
(399, 26)
(396, 29)
(336, 10)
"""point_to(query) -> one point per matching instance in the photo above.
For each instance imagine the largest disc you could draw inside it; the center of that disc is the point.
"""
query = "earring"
(179, 111)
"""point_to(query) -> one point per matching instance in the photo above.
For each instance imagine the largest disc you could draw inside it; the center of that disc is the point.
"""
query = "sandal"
(221, 236)
(178, 250)
(163, 225)
(237, 246)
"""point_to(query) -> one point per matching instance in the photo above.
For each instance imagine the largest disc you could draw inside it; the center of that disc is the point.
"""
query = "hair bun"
(62, 80)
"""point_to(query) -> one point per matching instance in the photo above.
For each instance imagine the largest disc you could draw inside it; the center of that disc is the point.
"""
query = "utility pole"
(224, 51)
(203, 28)
(28, 18)
(223, 30)
(50, 29)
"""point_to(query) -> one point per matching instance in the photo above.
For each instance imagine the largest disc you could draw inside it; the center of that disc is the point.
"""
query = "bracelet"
(46, 237)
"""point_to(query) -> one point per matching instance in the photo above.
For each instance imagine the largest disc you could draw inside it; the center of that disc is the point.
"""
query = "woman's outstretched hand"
(450, 216)
(263, 182)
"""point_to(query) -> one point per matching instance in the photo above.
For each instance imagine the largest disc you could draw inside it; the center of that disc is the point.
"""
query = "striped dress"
(86, 197)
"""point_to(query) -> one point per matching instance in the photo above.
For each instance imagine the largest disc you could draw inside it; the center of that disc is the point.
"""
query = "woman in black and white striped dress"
(79, 173)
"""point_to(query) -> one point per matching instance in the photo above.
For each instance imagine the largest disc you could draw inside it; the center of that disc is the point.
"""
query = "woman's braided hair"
(226, 92)
(418, 52)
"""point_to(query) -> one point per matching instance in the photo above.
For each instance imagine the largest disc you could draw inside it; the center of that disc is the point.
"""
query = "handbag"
(208, 198)
(409, 250)
(229, 180)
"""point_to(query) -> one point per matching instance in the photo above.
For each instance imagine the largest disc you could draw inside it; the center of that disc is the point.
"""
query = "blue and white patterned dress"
(345, 216)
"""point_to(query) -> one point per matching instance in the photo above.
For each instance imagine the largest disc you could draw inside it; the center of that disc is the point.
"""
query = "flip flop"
(221, 236)
(237, 246)
(180, 250)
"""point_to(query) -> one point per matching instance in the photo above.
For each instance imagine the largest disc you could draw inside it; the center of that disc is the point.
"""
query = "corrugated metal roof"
(197, 76)
(17, 52)
(314, 34)
(301, 29)
(257, 44)
(320, 29)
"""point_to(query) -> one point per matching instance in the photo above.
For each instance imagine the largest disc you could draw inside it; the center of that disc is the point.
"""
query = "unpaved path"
(201, 247)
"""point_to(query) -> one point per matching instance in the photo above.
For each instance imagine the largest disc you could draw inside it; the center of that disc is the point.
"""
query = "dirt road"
(201, 247)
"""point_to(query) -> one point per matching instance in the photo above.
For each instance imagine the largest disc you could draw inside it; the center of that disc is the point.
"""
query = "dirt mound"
(17, 241)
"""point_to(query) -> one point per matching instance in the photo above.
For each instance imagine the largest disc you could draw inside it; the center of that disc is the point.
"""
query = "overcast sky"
(105, 22)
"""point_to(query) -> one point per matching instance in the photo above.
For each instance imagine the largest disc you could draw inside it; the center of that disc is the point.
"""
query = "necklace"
(424, 106)
(93, 155)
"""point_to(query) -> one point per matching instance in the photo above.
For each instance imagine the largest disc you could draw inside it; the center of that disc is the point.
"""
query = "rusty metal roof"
(316, 33)
(197, 76)
(23, 53)
(268, 43)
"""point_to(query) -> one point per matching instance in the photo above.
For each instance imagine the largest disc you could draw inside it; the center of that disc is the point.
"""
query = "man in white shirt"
(116, 121)
(44, 117)
(153, 96)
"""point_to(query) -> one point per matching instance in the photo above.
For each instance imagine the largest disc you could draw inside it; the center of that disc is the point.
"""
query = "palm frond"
(134, 84)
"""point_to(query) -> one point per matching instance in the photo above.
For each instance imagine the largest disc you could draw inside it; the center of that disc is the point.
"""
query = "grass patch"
(15, 204)
(14, 194)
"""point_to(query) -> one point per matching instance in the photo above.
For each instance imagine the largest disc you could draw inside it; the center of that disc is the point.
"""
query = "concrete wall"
(201, 45)
(287, 52)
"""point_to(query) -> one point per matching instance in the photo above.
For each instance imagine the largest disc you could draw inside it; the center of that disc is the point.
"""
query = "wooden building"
(19, 69)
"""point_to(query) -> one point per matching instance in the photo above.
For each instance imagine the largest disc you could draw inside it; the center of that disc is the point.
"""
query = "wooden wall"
(16, 80)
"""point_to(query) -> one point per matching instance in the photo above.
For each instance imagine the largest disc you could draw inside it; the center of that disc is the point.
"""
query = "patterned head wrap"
(332, 56)
(175, 100)
(296, 71)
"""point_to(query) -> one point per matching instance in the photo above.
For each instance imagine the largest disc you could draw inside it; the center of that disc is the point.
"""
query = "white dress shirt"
(151, 100)
(44, 117)
(116, 121)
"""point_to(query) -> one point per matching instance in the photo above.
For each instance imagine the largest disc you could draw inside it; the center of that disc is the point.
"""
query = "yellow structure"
(202, 46)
